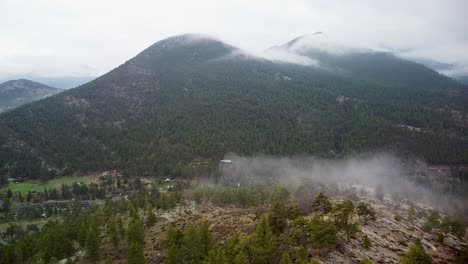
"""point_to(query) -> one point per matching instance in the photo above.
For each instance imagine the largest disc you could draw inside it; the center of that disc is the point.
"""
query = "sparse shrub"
(398, 217)
(434, 219)
(462, 256)
(365, 261)
(421, 214)
(151, 218)
(367, 243)
(315, 261)
(440, 238)
(426, 227)
(366, 211)
(285, 258)
(416, 255)
(453, 225)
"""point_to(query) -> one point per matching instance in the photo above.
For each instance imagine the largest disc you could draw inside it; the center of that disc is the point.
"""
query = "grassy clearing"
(39, 186)
(38, 222)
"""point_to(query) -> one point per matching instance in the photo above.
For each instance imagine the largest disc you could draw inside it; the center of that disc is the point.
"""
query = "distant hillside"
(188, 98)
(18, 92)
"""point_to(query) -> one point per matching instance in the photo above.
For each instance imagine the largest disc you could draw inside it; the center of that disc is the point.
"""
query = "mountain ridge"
(171, 103)
(14, 93)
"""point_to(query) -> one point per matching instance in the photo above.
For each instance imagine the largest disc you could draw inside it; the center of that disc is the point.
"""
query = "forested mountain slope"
(190, 96)
(18, 92)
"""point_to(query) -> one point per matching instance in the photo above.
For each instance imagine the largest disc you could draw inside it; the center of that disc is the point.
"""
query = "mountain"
(463, 79)
(18, 92)
(381, 68)
(191, 98)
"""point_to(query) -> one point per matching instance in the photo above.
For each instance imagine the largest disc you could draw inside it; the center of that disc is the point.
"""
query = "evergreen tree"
(301, 256)
(206, 238)
(82, 233)
(216, 256)
(365, 211)
(366, 242)
(111, 231)
(120, 227)
(278, 217)
(342, 213)
(416, 255)
(285, 258)
(135, 232)
(173, 255)
(135, 254)
(241, 258)
(263, 242)
(322, 204)
(151, 218)
(192, 249)
(93, 243)
(323, 234)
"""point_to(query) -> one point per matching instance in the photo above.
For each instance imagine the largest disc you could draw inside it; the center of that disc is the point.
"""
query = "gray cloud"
(56, 37)
(399, 177)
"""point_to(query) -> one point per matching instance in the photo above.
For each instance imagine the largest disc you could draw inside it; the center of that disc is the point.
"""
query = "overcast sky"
(56, 38)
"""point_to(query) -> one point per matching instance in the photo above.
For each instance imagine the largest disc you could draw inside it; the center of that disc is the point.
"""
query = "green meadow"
(32, 186)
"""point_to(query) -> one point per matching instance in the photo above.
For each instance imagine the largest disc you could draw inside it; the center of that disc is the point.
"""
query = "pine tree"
(366, 211)
(216, 256)
(206, 238)
(278, 217)
(322, 204)
(301, 256)
(151, 218)
(263, 242)
(192, 249)
(285, 258)
(135, 254)
(111, 231)
(322, 233)
(135, 232)
(241, 258)
(343, 212)
(416, 255)
(82, 233)
(120, 227)
(93, 243)
(173, 255)
(366, 242)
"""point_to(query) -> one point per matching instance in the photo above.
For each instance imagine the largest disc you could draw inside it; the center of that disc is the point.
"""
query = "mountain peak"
(14, 93)
(182, 49)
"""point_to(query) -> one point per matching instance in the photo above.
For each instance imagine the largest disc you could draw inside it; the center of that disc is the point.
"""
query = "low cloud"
(407, 178)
